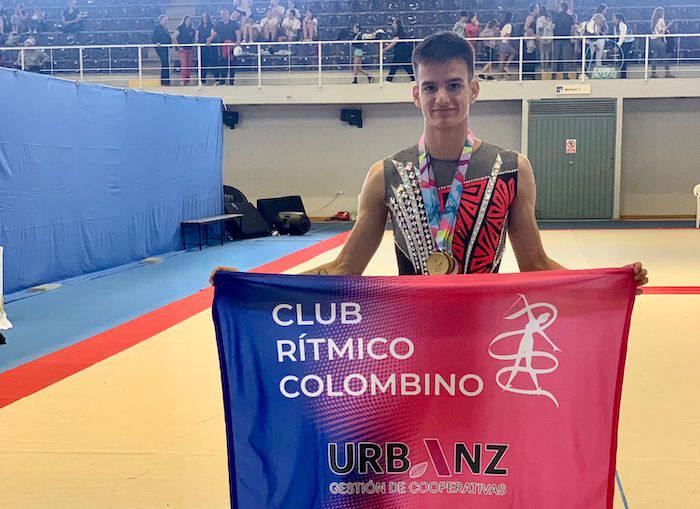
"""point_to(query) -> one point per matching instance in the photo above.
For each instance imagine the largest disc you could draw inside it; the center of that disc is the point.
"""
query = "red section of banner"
(38, 374)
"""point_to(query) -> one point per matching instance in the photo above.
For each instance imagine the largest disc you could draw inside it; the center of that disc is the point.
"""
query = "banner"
(488, 391)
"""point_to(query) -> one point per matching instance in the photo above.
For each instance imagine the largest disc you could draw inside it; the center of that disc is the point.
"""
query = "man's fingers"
(640, 275)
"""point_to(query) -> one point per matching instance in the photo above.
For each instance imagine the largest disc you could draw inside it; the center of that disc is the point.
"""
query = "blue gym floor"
(90, 304)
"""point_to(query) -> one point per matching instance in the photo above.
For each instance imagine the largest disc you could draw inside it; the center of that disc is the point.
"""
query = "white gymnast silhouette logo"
(539, 316)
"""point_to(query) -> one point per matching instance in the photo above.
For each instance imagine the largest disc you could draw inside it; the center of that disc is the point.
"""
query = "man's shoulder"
(488, 151)
(409, 154)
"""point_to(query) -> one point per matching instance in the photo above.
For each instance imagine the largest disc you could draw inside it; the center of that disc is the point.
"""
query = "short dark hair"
(444, 46)
(564, 7)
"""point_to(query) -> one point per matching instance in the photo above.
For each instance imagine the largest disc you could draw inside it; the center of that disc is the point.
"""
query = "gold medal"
(440, 263)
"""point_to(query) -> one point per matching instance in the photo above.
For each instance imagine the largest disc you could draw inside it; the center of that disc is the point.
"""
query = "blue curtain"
(92, 177)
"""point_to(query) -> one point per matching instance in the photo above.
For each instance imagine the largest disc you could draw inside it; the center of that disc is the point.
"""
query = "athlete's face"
(444, 93)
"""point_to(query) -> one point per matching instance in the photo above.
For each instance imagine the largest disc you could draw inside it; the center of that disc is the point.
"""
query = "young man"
(484, 190)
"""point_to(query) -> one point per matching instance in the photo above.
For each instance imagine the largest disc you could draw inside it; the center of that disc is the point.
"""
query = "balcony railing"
(332, 62)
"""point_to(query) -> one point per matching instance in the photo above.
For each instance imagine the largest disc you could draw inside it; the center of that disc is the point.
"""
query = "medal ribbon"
(442, 224)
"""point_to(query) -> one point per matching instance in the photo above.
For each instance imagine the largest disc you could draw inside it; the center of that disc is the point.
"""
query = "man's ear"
(475, 89)
(416, 95)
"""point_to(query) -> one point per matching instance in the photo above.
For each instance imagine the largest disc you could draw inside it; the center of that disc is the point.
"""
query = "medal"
(441, 263)
(442, 223)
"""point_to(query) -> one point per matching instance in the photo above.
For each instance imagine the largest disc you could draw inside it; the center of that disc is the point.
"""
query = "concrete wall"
(293, 149)
(306, 150)
(660, 156)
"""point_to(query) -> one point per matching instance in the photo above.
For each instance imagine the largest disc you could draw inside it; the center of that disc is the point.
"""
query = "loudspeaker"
(292, 223)
(230, 118)
(270, 209)
(252, 224)
(352, 117)
(233, 194)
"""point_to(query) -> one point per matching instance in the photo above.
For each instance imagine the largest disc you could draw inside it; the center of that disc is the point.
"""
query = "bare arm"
(211, 37)
(367, 232)
(391, 44)
(523, 230)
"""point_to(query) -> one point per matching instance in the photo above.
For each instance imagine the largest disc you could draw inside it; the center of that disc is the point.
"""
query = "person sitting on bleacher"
(291, 26)
(71, 18)
(33, 59)
(269, 26)
(37, 24)
(20, 20)
(310, 26)
(291, 6)
(280, 11)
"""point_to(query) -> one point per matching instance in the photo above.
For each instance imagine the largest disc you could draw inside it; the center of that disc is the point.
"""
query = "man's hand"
(640, 276)
(221, 269)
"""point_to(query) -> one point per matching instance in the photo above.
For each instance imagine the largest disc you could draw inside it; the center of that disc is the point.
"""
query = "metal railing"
(328, 62)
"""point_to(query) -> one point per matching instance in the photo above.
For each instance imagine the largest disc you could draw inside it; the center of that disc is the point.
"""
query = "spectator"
(209, 60)
(277, 8)
(624, 41)
(292, 7)
(37, 24)
(32, 58)
(13, 39)
(249, 30)
(506, 52)
(227, 33)
(4, 19)
(162, 36)
(659, 29)
(529, 30)
(4, 28)
(269, 26)
(493, 33)
(602, 9)
(545, 29)
(243, 6)
(20, 20)
(358, 52)
(563, 27)
(594, 27)
(71, 18)
(310, 26)
(403, 51)
(460, 28)
(184, 37)
(471, 29)
(291, 25)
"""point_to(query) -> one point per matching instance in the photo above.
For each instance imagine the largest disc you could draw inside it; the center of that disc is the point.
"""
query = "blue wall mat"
(92, 177)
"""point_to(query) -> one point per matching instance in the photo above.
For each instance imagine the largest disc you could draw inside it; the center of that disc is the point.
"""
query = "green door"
(571, 144)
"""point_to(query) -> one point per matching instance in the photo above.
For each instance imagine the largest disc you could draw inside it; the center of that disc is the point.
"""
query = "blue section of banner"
(92, 177)
(250, 372)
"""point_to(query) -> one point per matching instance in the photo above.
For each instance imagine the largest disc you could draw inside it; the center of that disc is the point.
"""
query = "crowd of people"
(19, 24)
(234, 27)
(557, 44)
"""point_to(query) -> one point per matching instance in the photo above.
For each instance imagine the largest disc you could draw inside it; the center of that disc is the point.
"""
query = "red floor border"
(672, 290)
(38, 374)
